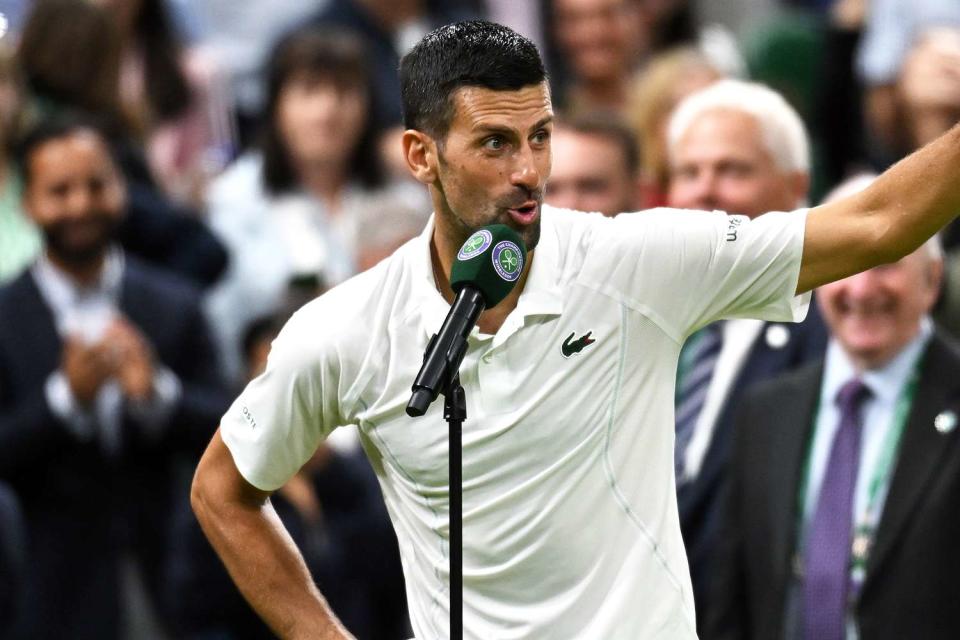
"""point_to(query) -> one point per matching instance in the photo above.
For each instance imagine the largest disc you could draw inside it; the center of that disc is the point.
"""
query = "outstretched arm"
(896, 214)
(262, 559)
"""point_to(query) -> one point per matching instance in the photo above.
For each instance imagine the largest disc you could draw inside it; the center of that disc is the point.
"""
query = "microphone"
(487, 268)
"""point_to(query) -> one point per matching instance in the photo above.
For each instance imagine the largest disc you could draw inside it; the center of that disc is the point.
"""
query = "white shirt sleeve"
(685, 269)
(283, 415)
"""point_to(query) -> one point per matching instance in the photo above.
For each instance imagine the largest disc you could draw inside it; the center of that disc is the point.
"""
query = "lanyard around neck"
(867, 522)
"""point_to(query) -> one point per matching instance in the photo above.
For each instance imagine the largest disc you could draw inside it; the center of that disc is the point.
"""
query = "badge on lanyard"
(859, 552)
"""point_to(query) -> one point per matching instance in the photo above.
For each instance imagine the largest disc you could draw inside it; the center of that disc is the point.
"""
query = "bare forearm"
(896, 214)
(269, 571)
(919, 195)
(262, 559)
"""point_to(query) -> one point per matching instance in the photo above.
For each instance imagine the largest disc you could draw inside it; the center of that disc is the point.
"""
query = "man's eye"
(541, 137)
(493, 144)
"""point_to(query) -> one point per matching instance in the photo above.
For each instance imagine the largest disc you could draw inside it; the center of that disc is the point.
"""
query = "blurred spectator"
(289, 211)
(526, 18)
(69, 52)
(673, 24)
(665, 81)
(380, 240)
(19, 238)
(595, 166)
(740, 148)
(600, 43)
(389, 29)
(334, 511)
(13, 563)
(238, 36)
(846, 474)
(175, 98)
(107, 380)
(929, 85)
(70, 55)
(893, 28)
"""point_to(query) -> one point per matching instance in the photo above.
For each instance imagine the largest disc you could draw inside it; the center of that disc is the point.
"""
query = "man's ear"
(420, 152)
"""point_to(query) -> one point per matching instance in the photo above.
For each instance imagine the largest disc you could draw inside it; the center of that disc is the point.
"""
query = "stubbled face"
(320, 121)
(874, 314)
(494, 162)
(599, 37)
(590, 174)
(75, 196)
(721, 162)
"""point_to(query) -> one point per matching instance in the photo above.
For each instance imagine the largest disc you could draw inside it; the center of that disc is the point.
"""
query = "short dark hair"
(612, 127)
(56, 128)
(334, 55)
(465, 54)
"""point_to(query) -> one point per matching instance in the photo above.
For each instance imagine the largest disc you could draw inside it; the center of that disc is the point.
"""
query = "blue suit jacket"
(82, 508)
(701, 512)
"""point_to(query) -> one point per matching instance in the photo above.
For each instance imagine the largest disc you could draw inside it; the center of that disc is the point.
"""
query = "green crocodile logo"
(571, 346)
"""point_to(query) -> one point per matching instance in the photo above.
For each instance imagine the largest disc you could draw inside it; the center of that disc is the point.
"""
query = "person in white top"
(290, 212)
(570, 516)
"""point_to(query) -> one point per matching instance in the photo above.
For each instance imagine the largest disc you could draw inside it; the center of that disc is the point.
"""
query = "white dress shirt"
(86, 312)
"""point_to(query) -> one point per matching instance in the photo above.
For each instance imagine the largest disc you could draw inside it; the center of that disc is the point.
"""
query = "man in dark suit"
(740, 148)
(107, 377)
(845, 477)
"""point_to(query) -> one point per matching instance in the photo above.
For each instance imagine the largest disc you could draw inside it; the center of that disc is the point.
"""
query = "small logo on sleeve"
(571, 346)
(733, 226)
(249, 417)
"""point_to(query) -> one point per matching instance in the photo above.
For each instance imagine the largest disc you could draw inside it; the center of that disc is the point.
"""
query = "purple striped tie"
(827, 559)
(692, 389)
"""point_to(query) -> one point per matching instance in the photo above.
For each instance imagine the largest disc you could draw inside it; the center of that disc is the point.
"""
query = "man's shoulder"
(941, 360)
(21, 285)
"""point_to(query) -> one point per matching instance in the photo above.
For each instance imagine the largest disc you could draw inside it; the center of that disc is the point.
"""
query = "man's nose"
(525, 172)
(79, 202)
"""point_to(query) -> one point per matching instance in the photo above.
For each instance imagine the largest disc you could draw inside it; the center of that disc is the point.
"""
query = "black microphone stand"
(455, 412)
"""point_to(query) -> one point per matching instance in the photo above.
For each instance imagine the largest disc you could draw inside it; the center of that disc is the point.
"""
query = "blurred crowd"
(177, 177)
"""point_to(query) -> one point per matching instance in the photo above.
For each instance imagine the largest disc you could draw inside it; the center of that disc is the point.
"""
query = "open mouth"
(524, 214)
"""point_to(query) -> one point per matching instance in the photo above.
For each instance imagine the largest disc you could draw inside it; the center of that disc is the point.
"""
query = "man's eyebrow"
(542, 123)
(495, 128)
(492, 128)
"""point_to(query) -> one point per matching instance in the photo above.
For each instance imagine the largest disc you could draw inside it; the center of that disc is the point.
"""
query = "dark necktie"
(827, 555)
(694, 383)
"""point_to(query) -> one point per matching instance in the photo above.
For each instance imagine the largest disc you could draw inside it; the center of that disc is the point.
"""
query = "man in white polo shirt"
(570, 516)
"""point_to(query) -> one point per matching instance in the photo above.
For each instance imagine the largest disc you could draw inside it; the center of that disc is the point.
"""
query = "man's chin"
(77, 256)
